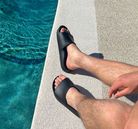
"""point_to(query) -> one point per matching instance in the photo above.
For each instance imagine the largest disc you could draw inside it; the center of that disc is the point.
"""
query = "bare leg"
(97, 114)
(106, 71)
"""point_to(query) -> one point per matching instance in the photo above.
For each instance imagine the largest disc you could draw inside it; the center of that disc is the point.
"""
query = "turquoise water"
(25, 27)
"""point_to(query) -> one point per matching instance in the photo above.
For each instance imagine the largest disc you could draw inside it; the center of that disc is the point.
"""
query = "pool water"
(25, 27)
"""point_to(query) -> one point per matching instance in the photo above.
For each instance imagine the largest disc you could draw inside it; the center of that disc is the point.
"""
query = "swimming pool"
(25, 27)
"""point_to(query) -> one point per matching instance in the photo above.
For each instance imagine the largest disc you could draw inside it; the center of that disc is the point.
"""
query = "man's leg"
(104, 114)
(106, 71)
(97, 114)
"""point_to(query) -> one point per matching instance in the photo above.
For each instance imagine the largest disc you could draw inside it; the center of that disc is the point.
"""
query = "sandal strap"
(62, 89)
(64, 38)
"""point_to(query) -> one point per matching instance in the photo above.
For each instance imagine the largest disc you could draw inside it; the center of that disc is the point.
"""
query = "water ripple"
(25, 29)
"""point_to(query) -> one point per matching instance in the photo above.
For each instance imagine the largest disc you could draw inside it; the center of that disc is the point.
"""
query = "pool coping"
(49, 113)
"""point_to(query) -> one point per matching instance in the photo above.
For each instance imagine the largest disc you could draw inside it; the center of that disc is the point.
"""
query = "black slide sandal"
(61, 91)
(64, 39)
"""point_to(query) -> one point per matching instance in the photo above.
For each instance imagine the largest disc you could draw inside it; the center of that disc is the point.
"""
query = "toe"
(56, 84)
(58, 80)
(62, 77)
(64, 30)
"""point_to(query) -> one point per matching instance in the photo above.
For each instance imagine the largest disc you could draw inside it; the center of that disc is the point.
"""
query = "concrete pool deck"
(98, 27)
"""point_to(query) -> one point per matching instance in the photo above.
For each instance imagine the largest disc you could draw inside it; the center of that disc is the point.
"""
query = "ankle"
(79, 100)
(74, 57)
(77, 54)
(74, 97)
(79, 58)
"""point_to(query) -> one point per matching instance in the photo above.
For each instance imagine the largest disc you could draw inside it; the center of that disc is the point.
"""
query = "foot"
(73, 96)
(74, 54)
